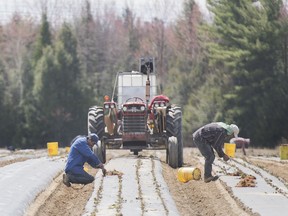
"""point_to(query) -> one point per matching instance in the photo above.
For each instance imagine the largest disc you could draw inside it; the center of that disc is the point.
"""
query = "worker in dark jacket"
(212, 136)
(80, 153)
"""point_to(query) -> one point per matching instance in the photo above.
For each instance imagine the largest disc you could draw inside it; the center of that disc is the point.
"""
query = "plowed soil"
(191, 198)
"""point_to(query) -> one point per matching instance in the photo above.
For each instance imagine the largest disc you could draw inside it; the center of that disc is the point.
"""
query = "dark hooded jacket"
(214, 135)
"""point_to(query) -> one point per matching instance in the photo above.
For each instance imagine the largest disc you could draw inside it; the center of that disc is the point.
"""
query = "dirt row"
(191, 198)
(132, 185)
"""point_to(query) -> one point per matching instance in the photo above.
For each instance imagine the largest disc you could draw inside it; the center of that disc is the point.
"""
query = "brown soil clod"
(247, 181)
(114, 172)
(237, 173)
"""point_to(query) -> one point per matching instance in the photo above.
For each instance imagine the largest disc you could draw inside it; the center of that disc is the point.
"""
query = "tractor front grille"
(134, 123)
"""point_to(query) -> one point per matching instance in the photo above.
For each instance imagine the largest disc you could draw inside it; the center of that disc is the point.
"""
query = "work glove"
(101, 166)
(104, 171)
(226, 157)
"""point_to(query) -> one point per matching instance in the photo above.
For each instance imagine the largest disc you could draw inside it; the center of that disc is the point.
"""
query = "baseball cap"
(94, 137)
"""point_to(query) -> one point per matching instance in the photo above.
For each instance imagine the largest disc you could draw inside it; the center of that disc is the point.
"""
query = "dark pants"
(208, 153)
(83, 178)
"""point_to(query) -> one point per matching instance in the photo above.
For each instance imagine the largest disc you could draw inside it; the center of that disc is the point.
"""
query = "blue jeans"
(83, 178)
(208, 153)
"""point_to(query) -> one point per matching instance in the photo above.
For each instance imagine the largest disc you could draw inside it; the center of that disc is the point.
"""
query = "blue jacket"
(80, 153)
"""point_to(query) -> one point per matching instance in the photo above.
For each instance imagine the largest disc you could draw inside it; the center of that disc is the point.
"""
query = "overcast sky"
(166, 10)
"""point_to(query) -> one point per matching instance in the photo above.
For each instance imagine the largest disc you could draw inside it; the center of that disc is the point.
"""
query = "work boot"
(210, 178)
(66, 180)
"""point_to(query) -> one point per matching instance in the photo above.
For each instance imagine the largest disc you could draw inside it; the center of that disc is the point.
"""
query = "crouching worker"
(80, 153)
(212, 136)
(241, 143)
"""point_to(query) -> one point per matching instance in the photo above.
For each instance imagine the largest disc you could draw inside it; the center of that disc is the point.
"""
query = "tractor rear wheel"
(174, 128)
(96, 125)
(96, 121)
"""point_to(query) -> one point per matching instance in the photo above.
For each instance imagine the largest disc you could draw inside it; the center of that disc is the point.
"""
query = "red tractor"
(136, 123)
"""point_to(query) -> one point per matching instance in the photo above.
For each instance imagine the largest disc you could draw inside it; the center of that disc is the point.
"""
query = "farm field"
(143, 185)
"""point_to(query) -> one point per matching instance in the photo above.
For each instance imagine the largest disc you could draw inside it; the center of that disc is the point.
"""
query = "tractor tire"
(96, 125)
(174, 128)
(100, 151)
(172, 152)
(96, 121)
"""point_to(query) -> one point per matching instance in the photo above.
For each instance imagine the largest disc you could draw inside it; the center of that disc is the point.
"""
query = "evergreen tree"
(5, 118)
(73, 93)
(60, 97)
(25, 127)
(43, 39)
(15, 40)
(191, 84)
(246, 47)
(30, 133)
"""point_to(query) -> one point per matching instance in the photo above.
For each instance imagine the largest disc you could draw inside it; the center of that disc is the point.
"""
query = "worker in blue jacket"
(80, 153)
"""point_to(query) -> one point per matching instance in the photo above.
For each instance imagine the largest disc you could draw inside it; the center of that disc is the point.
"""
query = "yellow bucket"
(52, 148)
(186, 174)
(284, 152)
(229, 149)
(67, 149)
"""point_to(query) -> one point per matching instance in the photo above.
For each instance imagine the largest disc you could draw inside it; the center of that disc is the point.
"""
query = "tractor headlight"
(162, 104)
(106, 106)
(112, 106)
(156, 105)
(124, 108)
(142, 108)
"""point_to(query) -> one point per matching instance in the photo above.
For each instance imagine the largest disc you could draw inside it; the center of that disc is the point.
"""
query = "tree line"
(230, 68)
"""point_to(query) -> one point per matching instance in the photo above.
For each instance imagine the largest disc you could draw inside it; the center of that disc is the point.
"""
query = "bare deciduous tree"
(18, 34)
